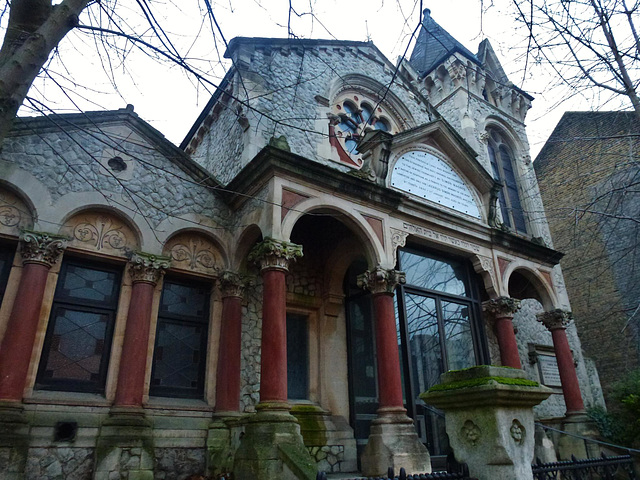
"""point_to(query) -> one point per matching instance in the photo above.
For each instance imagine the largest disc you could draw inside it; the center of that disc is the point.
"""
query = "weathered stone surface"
(179, 463)
(64, 463)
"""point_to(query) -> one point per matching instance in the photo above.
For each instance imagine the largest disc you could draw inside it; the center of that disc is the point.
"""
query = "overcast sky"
(171, 101)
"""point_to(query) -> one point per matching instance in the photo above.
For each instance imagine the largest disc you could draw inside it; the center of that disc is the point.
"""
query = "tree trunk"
(35, 28)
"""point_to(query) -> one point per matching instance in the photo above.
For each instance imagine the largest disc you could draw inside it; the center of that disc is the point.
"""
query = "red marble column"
(557, 321)
(228, 375)
(145, 271)
(39, 252)
(382, 284)
(501, 311)
(274, 257)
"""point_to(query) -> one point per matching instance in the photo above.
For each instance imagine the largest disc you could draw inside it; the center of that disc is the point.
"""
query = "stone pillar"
(145, 271)
(501, 311)
(489, 419)
(228, 375)
(393, 441)
(39, 252)
(557, 321)
(272, 446)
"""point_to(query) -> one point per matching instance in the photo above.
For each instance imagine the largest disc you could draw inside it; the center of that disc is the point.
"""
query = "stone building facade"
(271, 298)
(591, 157)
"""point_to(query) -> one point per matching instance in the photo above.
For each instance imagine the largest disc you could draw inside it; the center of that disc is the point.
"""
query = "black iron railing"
(603, 468)
(462, 474)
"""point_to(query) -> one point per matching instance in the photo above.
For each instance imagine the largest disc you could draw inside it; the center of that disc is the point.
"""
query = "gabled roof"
(434, 44)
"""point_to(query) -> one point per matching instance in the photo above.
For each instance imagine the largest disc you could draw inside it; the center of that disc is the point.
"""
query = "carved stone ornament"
(398, 239)
(380, 280)
(232, 284)
(194, 253)
(470, 433)
(517, 432)
(42, 248)
(555, 319)
(147, 268)
(484, 137)
(275, 254)
(501, 307)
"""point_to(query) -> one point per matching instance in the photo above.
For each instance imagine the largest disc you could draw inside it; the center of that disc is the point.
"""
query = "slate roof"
(434, 44)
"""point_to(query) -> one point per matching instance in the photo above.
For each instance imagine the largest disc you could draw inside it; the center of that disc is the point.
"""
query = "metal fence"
(462, 474)
(603, 468)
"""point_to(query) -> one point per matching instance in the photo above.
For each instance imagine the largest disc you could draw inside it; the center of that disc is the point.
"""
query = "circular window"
(117, 164)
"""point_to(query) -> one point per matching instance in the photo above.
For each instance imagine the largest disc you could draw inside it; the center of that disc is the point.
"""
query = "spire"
(434, 44)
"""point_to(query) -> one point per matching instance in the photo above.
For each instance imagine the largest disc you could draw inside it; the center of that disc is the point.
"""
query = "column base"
(14, 440)
(223, 439)
(393, 442)
(125, 446)
(577, 423)
(272, 447)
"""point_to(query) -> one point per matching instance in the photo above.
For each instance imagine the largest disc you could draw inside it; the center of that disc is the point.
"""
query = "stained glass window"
(181, 340)
(75, 356)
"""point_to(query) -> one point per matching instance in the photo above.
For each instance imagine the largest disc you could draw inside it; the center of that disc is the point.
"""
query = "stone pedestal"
(577, 425)
(272, 448)
(125, 446)
(489, 418)
(223, 439)
(393, 442)
(14, 440)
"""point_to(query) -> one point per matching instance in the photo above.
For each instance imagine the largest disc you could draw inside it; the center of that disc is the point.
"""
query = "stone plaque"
(549, 373)
(425, 175)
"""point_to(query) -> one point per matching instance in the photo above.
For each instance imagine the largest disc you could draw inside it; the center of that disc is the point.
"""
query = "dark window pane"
(297, 357)
(442, 275)
(458, 340)
(424, 341)
(6, 259)
(184, 300)
(82, 283)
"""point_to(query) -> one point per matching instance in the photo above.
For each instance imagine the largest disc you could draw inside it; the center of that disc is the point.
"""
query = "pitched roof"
(434, 44)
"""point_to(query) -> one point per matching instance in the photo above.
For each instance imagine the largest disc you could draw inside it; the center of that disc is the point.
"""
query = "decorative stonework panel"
(101, 232)
(194, 252)
(14, 214)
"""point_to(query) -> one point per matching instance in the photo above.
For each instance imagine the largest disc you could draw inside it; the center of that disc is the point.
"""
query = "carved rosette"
(380, 280)
(232, 284)
(147, 268)
(42, 248)
(555, 319)
(275, 254)
(501, 307)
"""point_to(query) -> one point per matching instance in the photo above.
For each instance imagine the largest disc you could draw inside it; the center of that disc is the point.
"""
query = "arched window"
(502, 164)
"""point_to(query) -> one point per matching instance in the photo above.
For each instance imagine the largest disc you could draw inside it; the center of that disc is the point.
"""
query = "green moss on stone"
(476, 382)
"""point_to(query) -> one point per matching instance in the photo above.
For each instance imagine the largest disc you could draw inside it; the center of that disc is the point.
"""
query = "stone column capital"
(381, 280)
(147, 268)
(273, 254)
(41, 248)
(557, 319)
(501, 307)
(232, 284)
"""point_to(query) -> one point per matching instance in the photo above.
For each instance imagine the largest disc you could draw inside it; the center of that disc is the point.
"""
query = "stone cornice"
(557, 319)
(41, 248)
(380, 280)
(147, 268)
(501, 307)
(275, 254)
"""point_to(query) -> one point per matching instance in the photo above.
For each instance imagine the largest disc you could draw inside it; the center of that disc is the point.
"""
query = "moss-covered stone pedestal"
(272, 447)
(124, 447)
(328, 438)
(489, 419)
(393, 442)
(14, 440)
(223, 439)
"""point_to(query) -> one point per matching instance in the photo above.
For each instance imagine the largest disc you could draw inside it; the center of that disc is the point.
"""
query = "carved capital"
(42, 248)
(501, 307)
(275, 254)
(555, 319)
(380, 280)
(147, 268)
(232, 284)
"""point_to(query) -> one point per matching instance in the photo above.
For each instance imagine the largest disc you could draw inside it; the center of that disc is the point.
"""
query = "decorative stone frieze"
(381, 280)
(501, 307)
(147, 268)
(275, 254)
(42, 248)
(555, 319)
(232, 284)
(193, 252)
